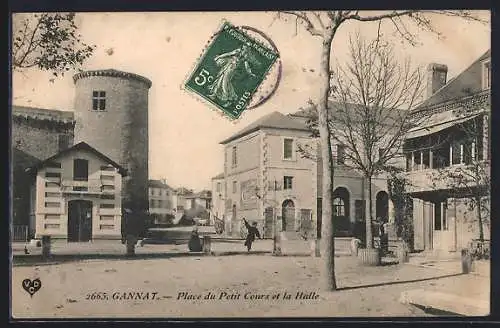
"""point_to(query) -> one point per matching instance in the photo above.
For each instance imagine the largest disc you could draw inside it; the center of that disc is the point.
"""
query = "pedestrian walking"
(252, 233)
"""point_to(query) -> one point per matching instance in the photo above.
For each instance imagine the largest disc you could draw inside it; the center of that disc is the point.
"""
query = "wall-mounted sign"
(249, 192)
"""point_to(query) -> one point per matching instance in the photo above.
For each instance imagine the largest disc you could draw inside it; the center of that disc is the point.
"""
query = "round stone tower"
(111, 115)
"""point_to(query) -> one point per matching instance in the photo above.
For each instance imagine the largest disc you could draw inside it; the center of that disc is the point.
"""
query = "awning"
(428, 130)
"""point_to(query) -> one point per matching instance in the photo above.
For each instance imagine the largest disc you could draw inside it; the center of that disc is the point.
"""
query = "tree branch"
(357, 17)
(309, 26)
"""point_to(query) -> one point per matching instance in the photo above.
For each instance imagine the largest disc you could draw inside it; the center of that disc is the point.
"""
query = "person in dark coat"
(252, 233)
(194, 243)
(125, 223)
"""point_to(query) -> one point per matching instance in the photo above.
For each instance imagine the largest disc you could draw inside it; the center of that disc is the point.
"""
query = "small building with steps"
(75, 195)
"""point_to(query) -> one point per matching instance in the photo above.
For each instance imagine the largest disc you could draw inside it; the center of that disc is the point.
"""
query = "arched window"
(338, 207)
(341, 211)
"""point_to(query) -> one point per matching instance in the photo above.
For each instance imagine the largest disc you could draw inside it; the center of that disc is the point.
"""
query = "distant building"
(183, 199)
(218, 196)
(444, 144)
(264, 175)
(202, 199)
(75, 195)
(162, 200)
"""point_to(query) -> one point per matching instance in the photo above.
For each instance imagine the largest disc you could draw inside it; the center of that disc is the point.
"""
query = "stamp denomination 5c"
(231, 70)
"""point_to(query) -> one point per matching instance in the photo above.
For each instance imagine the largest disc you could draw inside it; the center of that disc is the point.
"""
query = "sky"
(184, 133)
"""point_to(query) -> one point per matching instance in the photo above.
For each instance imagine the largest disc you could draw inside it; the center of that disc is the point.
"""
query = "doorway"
(79, 221)
(288, 213)
(268, 222)
(382, 206)
(341, 212)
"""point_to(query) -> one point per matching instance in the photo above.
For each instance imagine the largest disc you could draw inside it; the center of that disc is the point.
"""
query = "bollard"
(131, 241)
(277, 238)
(466, 261)
(315, 250)
(355, 246)
(207, 244)
(46, 243)
(402, 253)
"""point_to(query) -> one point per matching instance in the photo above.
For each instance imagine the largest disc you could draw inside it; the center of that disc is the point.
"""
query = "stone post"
(355, 246)
(131, 242)
(207, 244)
(402, 253)
(466, 261)
(315, 250)
(276, 235)
(46, 246)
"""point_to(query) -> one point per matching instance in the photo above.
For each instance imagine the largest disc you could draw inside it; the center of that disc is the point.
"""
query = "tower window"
(99, 100)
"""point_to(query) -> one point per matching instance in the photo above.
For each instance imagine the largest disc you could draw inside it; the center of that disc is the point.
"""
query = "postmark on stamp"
(231, 70)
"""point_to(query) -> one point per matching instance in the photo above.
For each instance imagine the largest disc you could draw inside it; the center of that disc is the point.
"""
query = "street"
(244, 285)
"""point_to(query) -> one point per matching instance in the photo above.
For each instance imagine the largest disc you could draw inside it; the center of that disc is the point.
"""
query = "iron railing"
(89, 186)
(20, 233)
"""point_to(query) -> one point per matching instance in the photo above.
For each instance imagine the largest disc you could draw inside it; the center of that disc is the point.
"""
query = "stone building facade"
(350, 190)
(162, 200)
(265, 179)
(41, 132)
(448, 159)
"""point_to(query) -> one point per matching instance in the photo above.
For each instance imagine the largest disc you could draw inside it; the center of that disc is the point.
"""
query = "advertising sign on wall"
(249, 192)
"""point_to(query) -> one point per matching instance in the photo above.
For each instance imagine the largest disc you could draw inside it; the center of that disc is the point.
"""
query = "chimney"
(436, 78)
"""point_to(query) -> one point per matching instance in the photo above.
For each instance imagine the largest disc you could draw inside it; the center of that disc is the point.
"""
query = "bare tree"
(372, 94)
(370, 99)
(324, 25)
(48, 41)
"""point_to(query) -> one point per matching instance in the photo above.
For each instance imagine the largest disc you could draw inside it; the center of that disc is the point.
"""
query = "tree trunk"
(480, 218)
(369, 234)
(327, 234)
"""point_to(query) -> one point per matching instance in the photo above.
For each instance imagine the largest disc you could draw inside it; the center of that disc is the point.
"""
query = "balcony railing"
(451, 177)
(91, 186)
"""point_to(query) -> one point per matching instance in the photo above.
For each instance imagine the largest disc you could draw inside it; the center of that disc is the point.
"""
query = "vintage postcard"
(250, 164)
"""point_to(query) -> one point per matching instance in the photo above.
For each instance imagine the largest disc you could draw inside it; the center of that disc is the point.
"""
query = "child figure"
(252, 232)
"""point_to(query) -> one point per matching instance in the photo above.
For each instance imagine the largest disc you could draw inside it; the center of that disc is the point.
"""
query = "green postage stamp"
(231, 70)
